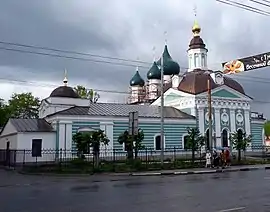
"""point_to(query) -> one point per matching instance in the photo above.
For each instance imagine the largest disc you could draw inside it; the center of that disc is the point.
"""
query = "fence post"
(23, 157)
(146, 158)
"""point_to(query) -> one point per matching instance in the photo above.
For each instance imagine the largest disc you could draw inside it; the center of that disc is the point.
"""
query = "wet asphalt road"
(245, 191)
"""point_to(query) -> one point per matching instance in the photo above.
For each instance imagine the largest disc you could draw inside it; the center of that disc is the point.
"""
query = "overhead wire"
(244, 7)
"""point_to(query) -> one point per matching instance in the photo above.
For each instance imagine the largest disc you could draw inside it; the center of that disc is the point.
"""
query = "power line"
(261, 3)
(244, 7)
(69, 57)
(38, 84)
(72, 52)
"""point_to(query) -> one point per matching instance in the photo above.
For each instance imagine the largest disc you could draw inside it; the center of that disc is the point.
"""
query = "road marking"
(233, 209)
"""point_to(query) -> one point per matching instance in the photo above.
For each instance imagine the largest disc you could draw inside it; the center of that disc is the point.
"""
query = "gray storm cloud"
(125, 29)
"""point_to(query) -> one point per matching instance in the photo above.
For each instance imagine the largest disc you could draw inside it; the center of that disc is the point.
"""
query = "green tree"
(96, 139)
(4, 113)
(92, 95)
(240, 142)
(195, 140)
(82, 143)
(132, 143)
(23, 105)
(267, 129)
(85, 140)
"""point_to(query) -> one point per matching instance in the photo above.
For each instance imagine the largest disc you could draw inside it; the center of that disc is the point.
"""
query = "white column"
(233, 125)
(247, 122)
(65, 135)
(217, 127)
(107, 127)
(201, 120)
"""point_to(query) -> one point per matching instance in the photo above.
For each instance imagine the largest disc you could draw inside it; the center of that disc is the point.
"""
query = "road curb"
(200, 172)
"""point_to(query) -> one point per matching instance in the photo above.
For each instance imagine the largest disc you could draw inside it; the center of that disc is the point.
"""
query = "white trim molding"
(112, 119)
(183, 140)
(158, 134)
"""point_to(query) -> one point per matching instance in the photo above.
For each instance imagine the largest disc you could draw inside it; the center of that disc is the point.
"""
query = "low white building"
(28, 137)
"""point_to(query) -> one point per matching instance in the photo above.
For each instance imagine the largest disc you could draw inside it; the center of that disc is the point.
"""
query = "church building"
(64, 113)
(188, 92)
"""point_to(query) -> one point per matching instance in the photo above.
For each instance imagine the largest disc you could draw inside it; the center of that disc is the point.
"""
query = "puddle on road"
(136, 184)
(79, 189)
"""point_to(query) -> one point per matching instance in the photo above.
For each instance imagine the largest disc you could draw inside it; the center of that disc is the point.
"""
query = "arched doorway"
(207, 145)
(224, 138)
(158, 142)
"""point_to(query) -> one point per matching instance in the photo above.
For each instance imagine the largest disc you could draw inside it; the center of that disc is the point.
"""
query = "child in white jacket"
(208, 159)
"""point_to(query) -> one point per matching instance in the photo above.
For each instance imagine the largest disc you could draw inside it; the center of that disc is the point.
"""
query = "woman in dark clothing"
(216, 159)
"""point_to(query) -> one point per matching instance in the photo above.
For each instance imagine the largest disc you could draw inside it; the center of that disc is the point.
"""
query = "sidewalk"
(201, 170)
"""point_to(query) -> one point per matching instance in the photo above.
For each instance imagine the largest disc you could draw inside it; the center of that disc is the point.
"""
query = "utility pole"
(162, 112)
(210, 115)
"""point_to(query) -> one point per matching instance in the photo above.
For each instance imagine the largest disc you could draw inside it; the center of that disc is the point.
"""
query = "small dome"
(196, 43)
(170, 66)
(64, 91)
(136, 80)
(154, 72)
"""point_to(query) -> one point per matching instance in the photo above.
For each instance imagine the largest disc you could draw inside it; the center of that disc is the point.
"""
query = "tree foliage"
(240, 141)
(23, 105)
(92, 95)
(82, 143)
(267, 129)
(4, 112)
(85, 140)
(132, 143)
(195, 140)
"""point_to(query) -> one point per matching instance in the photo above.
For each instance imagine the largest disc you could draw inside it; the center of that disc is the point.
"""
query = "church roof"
(195, 82)
(196, 43)
(64, 91)
(112, 109)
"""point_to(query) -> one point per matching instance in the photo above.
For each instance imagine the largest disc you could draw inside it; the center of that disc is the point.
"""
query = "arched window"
(224, 138)
(196, 60)
(203, 60)
(157, 142)
(190, 61)
(185, 142)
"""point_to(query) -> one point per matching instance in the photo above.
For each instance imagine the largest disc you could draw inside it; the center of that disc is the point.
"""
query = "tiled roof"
(31, 125)
(111, 109)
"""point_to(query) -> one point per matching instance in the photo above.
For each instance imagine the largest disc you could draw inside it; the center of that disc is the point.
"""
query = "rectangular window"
(158, 142)
(36, 147)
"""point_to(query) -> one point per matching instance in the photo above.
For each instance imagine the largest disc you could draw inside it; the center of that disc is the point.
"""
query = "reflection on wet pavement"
(191, 193)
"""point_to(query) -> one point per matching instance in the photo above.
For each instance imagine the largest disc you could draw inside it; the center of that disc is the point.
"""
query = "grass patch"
(79, 166)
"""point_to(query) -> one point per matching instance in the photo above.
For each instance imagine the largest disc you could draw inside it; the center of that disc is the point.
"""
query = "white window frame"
(164, 141)
(183, 140)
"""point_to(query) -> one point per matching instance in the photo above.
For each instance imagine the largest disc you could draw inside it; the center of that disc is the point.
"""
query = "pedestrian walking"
(208, 159)
(223, 159)
(228, 157)
(216, 159)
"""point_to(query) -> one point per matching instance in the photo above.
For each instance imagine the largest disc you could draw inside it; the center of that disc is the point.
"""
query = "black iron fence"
(26, 158)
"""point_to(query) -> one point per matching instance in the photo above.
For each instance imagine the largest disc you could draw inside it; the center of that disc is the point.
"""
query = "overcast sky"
(125, 29)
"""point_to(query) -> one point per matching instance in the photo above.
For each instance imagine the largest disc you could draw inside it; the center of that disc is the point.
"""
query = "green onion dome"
(170, 66)
(136, 80)
(154, 72)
